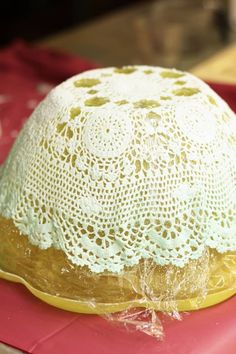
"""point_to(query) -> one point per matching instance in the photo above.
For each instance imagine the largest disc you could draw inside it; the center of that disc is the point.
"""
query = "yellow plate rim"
(103, 308)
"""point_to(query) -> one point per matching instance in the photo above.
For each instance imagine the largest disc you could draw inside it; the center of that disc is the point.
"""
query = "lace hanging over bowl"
(122, 164)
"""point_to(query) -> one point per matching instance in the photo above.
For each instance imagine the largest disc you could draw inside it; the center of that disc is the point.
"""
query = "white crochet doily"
(120, 164)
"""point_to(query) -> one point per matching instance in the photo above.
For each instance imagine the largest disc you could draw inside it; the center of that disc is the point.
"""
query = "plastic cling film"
(132, 297)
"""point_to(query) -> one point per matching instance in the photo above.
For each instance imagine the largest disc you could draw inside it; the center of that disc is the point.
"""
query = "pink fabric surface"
(35, 327)
(26, 75)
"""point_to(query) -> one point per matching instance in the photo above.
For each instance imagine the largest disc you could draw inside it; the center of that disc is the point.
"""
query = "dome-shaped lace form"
(120, 164)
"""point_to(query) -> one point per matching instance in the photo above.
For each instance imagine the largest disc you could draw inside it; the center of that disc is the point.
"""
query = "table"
(170, 33)
(4, 349)
(221, 67)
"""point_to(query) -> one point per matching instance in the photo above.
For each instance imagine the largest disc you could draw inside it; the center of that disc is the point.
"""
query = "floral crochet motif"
(122, 164)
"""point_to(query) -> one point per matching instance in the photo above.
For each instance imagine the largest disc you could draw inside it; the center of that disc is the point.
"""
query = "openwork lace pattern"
(122, 164)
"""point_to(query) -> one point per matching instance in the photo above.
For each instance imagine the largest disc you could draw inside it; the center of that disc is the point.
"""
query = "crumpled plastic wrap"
(133, 297)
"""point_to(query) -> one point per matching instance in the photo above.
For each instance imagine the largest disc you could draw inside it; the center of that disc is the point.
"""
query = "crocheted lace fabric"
(122, 164)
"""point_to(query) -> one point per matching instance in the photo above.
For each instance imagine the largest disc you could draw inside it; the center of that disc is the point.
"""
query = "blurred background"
(116, 32)
(31, 19)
